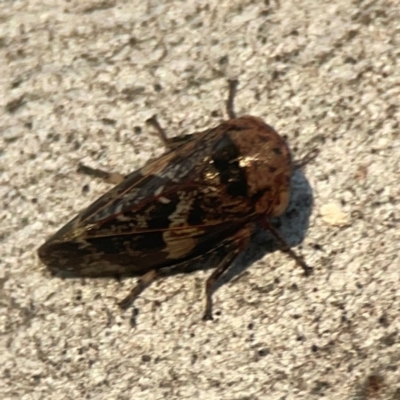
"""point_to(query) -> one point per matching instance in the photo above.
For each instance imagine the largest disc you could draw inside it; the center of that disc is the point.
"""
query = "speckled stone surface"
(79, 79)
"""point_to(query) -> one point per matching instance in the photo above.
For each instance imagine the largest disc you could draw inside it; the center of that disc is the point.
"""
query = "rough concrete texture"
(79, 79)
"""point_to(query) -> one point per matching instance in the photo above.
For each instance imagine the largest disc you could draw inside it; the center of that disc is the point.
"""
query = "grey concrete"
(78, 80)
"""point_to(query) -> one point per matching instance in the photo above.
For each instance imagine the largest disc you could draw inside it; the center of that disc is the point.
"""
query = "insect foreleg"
(233, 83)
(286, 248)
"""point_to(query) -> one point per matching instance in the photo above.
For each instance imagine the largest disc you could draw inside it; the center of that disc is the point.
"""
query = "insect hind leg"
(145, 281)
(109, 177)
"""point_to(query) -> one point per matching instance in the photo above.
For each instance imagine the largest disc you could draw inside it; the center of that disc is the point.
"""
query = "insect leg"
(170, 143)
(142, 284)
(232, 249)
(110, 177)
(221, 268)
(285, 248)
(233, 83)
(310, 156)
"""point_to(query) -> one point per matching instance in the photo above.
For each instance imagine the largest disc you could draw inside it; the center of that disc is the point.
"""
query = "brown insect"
(200, 201)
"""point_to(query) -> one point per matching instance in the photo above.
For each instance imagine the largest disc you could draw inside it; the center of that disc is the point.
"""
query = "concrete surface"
(78, 80)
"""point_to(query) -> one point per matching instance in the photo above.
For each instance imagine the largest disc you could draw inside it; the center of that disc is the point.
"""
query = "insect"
(198, 202)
